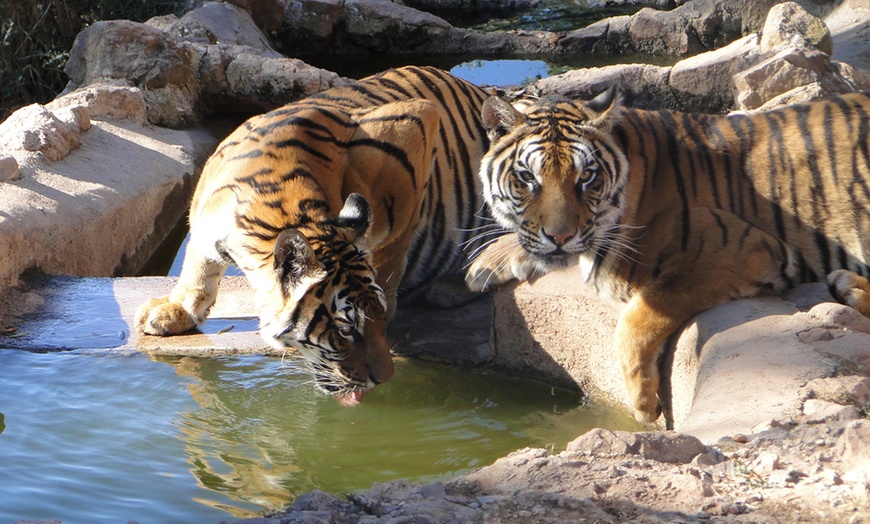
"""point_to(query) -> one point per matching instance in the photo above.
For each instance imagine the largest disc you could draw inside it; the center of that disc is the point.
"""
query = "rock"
(262, 81)
(765, 464)
(853, 445)
(819, 411)
(9, 169)
(35, 129)
(309, 25)
(605, 36)
(106, 102)
(129, 53)
(693, 27)
(133, 54)
(798, 95)
(658, 446)
(217, 23)
(675, 448)
(654, 31)
(380, 26)
(643, 85)
(789, 25)
(601, 442)
(852, 389)
(856, 79)
(703, 82)
(787, 70)
(839, 315)
(317, 501)
(754, 14)
(182, 81)
(494, 8)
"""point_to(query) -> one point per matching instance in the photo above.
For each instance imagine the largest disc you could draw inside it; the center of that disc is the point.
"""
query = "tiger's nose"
(559, 237)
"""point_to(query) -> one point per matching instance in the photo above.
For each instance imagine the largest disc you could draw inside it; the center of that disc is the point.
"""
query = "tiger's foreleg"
(187, 306)
(689, 279)
(504, 260)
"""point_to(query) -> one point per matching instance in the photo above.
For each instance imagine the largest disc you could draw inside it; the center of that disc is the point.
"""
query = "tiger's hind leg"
(851, 289)
(187, 306)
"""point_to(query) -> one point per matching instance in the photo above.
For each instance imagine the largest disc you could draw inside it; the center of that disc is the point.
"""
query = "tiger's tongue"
(349, 399)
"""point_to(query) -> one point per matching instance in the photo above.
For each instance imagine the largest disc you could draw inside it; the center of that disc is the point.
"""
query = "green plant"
(36, 36)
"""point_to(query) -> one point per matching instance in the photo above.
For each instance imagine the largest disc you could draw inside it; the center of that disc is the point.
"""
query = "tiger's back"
(674, 213)
(800, 173)
(332, 206)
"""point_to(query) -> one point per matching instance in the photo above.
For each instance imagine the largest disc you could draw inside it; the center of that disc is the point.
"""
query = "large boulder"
(691, 28)
(643, 85)
(788, 24)
(789, 63)
(703, 82)
(211, 59)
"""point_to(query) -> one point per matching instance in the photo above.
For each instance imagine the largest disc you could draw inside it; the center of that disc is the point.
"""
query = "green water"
(97, 437)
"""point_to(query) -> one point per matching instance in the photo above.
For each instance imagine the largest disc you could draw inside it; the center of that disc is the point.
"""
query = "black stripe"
(296, 143)
(674, 153)
(824, 252)
(389, 149)
(778, 159)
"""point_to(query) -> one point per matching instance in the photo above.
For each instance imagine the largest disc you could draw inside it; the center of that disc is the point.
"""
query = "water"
(97, 437)
(549, 15)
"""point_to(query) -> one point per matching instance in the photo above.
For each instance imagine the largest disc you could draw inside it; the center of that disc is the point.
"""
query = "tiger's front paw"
(647, 410)
(501, 261)
(851, 289)
(642, 392)
(161, 317)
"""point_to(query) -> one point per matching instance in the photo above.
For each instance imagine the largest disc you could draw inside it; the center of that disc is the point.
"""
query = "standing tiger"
(332, 206)
(675, 213)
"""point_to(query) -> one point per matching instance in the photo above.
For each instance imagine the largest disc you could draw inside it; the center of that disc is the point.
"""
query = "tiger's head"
(326, 303)
(554, 173)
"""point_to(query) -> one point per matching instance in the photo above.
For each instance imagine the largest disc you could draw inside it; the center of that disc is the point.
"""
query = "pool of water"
(106, 437)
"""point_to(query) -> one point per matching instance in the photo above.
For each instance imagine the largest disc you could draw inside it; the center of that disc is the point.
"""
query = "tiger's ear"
(355, 217)
(293, 257)
(499, 117)
(605, 109)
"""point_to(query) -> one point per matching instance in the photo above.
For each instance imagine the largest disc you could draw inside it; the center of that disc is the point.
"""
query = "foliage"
(36, 37)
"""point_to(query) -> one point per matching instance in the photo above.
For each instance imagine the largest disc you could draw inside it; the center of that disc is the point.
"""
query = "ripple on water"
(104, 437)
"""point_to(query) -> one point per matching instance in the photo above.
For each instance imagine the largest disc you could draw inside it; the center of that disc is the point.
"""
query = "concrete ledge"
(101, 208)
(62, 313)
(732, 369)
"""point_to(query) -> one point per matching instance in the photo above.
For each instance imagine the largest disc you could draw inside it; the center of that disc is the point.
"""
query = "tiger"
(332, 207)
(672, 213)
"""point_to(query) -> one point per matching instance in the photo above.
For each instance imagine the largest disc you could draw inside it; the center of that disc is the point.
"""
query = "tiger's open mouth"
(349, 398)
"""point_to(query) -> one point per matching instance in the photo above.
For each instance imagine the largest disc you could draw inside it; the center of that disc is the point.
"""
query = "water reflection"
(261, 435)
(102, 436)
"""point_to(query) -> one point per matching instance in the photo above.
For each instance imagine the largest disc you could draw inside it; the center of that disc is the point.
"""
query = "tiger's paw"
(161, 317)
(647, 410)
(642, 392)
(851, 289)
(500, 262)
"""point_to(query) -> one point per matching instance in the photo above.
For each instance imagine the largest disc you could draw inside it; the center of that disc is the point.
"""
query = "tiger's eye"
(346, 330)
(526, 177)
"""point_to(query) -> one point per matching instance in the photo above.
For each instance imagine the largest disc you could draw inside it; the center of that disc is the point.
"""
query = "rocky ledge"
(789, 473)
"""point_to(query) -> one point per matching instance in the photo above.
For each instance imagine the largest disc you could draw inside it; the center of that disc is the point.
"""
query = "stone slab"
(70, 313)
(104, 208)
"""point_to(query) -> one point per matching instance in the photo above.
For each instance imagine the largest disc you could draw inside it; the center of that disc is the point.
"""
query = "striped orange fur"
(674, 213)
(333, 206)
